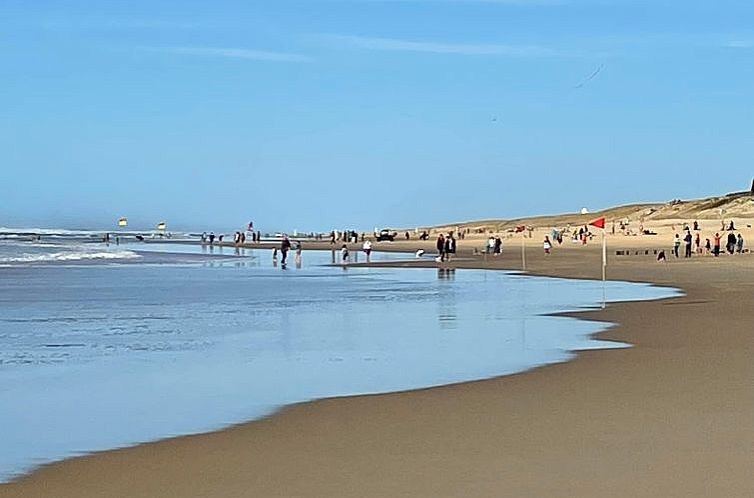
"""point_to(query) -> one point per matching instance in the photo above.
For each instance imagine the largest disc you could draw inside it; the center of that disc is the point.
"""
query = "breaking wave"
(68, 257)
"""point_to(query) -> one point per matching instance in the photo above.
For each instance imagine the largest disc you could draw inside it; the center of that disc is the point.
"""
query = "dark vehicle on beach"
(386, 234)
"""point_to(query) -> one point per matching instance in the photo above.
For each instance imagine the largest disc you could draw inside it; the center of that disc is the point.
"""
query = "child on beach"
(547, 245)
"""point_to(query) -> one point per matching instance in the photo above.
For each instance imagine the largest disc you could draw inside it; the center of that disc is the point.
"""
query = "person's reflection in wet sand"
(446, 273)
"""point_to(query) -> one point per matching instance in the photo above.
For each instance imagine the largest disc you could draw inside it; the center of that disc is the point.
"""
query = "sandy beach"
(672, 416)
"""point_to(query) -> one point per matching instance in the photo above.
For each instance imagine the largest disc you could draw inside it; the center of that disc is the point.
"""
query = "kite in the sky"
(590, 77)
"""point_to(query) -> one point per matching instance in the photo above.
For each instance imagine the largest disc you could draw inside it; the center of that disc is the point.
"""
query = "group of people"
(285, 247)
(239, 237)
(494, 245)
(446, 247)
(734, 243)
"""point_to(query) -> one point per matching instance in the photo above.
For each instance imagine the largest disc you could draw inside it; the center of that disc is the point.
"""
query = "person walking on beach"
(547, 245)
(740, 244)
(440, 244)
(676, 244)
(498, 245)
(716, 247)
(450, 246)
(707, 247)
(344, 256)
(698, 243)
(687, 239)
(367, 247)
(285, 246)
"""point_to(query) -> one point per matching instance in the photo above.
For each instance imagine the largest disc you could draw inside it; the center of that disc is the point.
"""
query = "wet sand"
(672, 416)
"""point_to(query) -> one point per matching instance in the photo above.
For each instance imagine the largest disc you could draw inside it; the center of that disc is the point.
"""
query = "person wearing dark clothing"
(441, 247)
(731, 245)
(212, 237)
(716, 247)
(285, 246)
(687, 239)
(450, 246)
(498, 245)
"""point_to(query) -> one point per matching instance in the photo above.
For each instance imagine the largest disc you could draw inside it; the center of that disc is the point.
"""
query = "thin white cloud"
(233, 53)
(398, 45)
(739, 44)
(107, 24)
(500, 2)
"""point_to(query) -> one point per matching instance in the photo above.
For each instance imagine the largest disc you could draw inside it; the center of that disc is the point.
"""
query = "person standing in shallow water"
(285, 246)
(367, 247)
(440, 244)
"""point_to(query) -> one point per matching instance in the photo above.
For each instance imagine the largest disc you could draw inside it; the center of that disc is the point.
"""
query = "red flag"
(599, 222)
(520, 228)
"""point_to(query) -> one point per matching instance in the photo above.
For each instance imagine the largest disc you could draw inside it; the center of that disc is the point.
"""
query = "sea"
(110, 345)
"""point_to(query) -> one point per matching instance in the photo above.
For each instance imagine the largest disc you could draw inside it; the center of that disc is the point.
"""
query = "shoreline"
(274, 463)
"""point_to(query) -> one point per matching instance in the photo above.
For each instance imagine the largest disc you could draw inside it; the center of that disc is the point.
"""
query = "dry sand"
(671, 417)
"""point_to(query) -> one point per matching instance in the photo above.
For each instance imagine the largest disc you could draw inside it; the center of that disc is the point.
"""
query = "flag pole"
(604, 267)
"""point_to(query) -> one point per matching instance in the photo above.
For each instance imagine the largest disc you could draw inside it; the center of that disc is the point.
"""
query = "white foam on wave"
(69, 256)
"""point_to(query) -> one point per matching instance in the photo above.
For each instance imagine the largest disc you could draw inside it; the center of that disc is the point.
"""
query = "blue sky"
(314, 114)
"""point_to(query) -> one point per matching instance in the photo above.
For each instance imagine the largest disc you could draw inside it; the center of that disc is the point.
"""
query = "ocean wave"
(69, 256)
